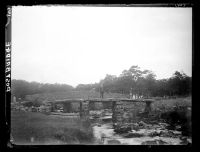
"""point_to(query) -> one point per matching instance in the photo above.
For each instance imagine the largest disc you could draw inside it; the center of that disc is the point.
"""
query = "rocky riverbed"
(155, 135)
(140, 133)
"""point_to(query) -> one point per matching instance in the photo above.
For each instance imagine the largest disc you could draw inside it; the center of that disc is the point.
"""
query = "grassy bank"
(176, 112)
(38, 128)
(168, 104)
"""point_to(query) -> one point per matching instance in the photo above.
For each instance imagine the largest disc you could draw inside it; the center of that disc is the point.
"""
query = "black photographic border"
(6, 96)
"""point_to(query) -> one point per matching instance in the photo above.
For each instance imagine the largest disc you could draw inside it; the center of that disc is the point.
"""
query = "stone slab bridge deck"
(104, 100)
(117, 105)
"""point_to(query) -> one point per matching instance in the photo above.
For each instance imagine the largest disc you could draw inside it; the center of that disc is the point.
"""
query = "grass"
(168, 104)
(175, 111)
(41, 129)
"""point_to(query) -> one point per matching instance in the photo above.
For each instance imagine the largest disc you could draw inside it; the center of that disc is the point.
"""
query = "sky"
(80, 45)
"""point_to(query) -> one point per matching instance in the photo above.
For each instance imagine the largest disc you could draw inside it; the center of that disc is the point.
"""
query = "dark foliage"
(133, 81)
(179, 117)
(21, 88)
(144, 83)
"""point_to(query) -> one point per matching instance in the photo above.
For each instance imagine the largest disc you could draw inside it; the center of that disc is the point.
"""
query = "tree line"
(21, 88)
(143, 83)
(134, 81)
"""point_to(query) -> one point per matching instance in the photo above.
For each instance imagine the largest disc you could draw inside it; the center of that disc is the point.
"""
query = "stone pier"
(148, 107)
(84, 109)
(123, 113)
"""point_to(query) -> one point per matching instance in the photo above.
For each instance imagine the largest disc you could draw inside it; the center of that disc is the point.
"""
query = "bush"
(179, 117)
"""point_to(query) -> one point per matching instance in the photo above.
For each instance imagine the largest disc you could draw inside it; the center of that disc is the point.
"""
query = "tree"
(108, 83)
(180, 83)
(150, 82)
(21, 88)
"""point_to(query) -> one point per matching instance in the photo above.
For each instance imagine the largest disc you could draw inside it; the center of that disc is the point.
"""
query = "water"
(105, 134)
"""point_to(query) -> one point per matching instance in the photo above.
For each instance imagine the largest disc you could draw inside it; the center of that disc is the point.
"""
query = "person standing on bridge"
(101, 91)
(131, 93)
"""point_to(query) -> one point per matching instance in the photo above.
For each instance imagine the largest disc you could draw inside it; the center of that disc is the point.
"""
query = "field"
(37, 128)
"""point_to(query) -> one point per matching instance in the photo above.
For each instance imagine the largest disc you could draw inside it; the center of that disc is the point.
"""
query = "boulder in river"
(167, 134)
(114, 142)
(122, 129)
(106, 118)
(133, 135)
(142, 124)
(134, 126)
(186, 141)
(154, 142)
(155, 133)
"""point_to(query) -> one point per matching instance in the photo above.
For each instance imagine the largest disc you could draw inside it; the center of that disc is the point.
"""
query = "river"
(155, 134)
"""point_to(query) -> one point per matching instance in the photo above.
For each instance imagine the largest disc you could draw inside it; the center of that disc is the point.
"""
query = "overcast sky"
(73, 45)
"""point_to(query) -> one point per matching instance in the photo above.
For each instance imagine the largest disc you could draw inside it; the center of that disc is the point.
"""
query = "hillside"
(70, 95)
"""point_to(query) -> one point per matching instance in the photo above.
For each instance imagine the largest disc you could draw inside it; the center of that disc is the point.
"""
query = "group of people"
(132, 96)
